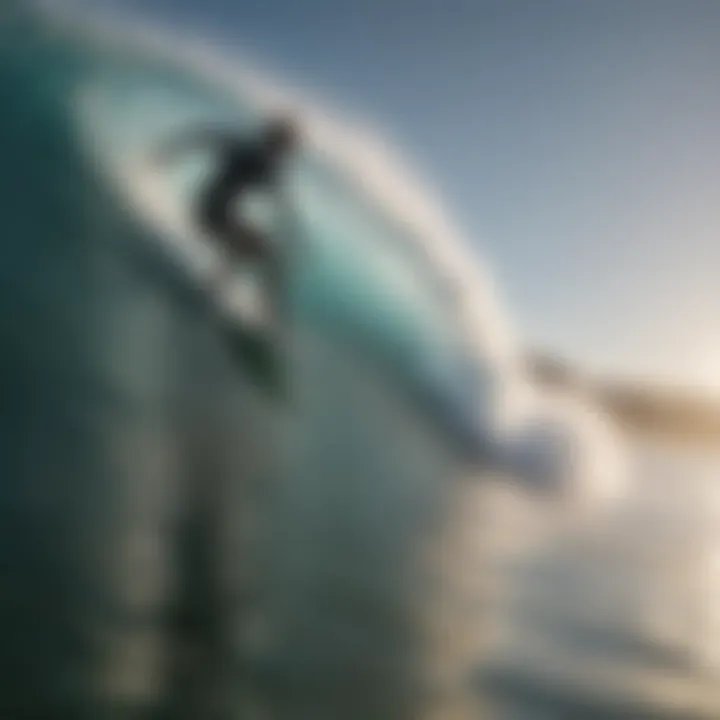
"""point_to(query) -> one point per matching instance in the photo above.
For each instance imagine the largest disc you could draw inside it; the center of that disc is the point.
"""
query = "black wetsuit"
(241, 166)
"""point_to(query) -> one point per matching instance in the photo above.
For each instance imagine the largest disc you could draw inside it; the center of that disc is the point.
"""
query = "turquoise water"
(172, 542)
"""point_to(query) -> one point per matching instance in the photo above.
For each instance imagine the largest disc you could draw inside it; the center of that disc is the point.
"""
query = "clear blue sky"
(577, 142)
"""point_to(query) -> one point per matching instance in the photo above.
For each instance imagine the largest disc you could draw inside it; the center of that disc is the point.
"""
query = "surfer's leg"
(215, 224)
(222, 275)
(246, 242)
(252, 245)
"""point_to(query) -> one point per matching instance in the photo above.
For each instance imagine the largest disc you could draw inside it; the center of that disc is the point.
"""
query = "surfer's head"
(281, 135)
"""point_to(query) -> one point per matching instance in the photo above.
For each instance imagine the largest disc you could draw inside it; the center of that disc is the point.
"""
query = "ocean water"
(175, 543)
(618, 620)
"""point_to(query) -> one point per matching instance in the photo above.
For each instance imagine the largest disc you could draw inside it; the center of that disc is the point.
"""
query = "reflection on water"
(619, 620)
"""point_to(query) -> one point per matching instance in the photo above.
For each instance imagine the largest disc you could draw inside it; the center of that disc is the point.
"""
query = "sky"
(575, 142)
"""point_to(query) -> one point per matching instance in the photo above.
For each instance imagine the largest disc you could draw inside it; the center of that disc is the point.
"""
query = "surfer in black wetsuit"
(242, 164)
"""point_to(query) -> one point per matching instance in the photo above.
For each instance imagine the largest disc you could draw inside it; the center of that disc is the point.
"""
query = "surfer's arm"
(190, 141)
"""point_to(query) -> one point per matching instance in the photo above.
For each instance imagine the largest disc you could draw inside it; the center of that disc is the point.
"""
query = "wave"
(382, 248)
(124, 412)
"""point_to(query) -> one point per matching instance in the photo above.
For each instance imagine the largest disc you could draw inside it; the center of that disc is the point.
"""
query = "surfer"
(242, 164)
